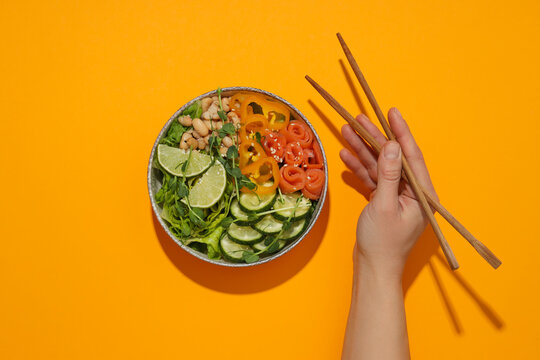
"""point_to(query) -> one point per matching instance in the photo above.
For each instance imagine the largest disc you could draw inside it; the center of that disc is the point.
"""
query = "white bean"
(183, 140)
(185, 120)
(206, 103)
(227, 141)
(192, 143)
(202, 144)
(225, 103)
(199, 127)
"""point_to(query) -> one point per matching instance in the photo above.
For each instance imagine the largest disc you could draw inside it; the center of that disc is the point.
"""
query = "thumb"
(389, 176)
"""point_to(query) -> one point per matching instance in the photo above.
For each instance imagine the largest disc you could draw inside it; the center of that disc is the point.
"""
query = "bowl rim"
(156, 208)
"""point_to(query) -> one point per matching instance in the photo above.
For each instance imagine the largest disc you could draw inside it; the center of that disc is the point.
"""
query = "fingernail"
(391, 150)
(397, 112)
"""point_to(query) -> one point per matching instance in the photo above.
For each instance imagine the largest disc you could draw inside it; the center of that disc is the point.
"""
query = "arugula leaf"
(244, 181)
(273, 247)
(186, 230)
(196, 216)
(222, 115)
(232, 152)
(227, 129)
(174, 134)
(226, 222)
(194, 110)
(214, 142)
(286, 225)
(186, 163)
(249, 257)
(182, 190)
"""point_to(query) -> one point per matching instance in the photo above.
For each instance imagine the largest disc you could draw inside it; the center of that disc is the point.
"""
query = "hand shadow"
(425, 249)
(246, 279)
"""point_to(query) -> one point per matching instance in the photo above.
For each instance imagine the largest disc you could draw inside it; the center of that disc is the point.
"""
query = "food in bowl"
(240, 176)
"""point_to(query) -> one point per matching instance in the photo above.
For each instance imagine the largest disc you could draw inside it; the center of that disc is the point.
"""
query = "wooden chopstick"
(477, 245)
(481, 248)
(413, 181)
(363, 132)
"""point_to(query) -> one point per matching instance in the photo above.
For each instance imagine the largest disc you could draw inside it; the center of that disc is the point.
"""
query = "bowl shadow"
(249, 279)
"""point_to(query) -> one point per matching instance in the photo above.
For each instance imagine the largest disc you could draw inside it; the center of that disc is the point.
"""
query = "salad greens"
(204, 229)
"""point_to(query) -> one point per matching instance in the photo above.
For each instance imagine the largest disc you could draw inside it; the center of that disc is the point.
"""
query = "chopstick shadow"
(422, 255)
(326, 120)
(248, 279)
(353, 88)
(446, 299)
(482, 304)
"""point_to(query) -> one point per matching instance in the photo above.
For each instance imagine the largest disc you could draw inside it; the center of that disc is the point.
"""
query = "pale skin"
(387, 230)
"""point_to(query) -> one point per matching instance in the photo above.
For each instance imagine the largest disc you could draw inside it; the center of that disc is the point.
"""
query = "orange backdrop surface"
(86, 271)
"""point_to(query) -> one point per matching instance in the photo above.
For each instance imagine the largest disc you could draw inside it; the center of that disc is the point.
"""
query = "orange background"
(85, 270)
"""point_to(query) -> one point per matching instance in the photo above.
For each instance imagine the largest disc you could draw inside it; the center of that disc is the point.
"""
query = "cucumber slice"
(250, 202)
(287, 202)
(260, 245)
(243, 234)
(242, 218)
(296, 228)
(268, 225)
(231, 250)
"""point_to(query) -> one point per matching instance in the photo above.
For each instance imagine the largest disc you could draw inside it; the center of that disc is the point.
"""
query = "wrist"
(387, 273)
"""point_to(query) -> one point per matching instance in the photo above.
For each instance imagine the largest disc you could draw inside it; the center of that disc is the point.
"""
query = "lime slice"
(171, 159)
(209, 188)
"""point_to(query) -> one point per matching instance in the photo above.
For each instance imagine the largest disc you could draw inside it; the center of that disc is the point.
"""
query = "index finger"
(410, 149)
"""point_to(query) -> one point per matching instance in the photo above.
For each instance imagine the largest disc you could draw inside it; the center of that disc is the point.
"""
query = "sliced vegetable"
(292, 179)
(242, 218)
(287, 207)
(296, 228)
(278, 115)
(209, 188)
(243, 234)
(251, 202)
(172, 159)
(231, 250)
(252, 124)
(237, 100)
(260, 172)
(249, 152)
(260, 246)
(269, 225)
(246, 107)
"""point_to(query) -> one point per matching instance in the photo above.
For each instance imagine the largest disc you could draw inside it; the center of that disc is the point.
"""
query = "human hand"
(390, 224)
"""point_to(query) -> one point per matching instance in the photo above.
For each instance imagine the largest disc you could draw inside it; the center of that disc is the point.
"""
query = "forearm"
(376, 327)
